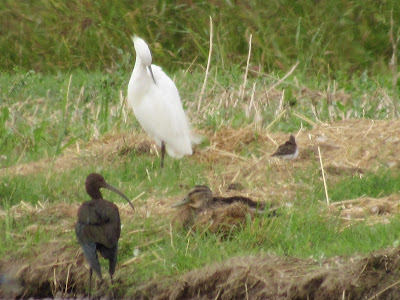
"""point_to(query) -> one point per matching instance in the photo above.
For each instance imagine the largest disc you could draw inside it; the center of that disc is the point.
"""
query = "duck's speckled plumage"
(200, 207)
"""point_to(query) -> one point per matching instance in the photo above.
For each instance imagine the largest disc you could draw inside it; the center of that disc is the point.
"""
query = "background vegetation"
(325, 36)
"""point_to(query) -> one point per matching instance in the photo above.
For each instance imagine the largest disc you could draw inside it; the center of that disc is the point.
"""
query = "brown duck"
(200, 207)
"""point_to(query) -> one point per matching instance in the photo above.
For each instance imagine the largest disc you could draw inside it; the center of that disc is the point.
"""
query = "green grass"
(41, 117)
(382, 183)
(64, 74)
(299, 232)
(304, 230)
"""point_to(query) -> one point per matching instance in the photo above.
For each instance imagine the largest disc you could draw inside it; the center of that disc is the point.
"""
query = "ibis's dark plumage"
(99, 226)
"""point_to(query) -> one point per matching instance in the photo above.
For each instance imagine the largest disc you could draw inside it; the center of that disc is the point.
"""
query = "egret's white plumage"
(156, 104)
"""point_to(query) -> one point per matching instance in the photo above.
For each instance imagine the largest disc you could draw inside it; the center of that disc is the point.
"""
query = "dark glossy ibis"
(288, 150)
(99, 226)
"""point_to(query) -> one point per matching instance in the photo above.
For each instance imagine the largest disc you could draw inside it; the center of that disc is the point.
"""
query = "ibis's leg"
(162, 154)
(90, 282)
(112, 256)
(112, 288)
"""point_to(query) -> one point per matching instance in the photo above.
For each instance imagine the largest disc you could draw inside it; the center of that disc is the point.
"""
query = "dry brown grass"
(348, 147)
(344, 144)
(366, 209)
(350, 144)
(272, 277)
(108, 149)
(59, 266)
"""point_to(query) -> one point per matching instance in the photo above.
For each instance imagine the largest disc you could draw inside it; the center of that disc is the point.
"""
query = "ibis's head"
(96, 181)
(198, 197)
(143, 53)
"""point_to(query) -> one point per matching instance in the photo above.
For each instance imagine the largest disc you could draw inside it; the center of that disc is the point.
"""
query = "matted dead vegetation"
(366, 209)
(108, 149)
(55, 268)
(375, 276)
(61, 269)
(349, 147)
(59, 266)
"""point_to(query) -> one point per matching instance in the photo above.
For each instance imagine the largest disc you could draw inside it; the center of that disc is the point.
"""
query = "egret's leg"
(162, 154)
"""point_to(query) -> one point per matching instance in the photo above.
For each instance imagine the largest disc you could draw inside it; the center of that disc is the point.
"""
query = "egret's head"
(142, 50)
(144, 54)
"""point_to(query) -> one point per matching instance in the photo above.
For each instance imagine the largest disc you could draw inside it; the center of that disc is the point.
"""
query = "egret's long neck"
(138, 74)
(138, 83)
(139, 67)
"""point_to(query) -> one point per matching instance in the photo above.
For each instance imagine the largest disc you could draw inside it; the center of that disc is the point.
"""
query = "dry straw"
(243, 86)
(208, 66)
(323, 176)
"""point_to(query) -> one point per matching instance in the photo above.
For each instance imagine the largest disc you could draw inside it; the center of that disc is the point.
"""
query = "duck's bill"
(115, 190)
(181, 203)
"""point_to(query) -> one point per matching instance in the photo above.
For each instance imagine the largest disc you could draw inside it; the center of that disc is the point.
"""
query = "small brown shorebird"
(99, 226)
(288, 150)
(200, 200)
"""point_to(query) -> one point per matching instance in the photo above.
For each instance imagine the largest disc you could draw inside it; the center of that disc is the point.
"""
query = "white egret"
(156, 104)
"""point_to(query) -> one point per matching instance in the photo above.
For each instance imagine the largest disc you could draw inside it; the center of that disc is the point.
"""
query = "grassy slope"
(42, 113)
(301, 231)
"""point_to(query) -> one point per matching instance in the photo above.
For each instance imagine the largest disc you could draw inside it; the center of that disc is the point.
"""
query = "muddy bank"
(374, 276)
